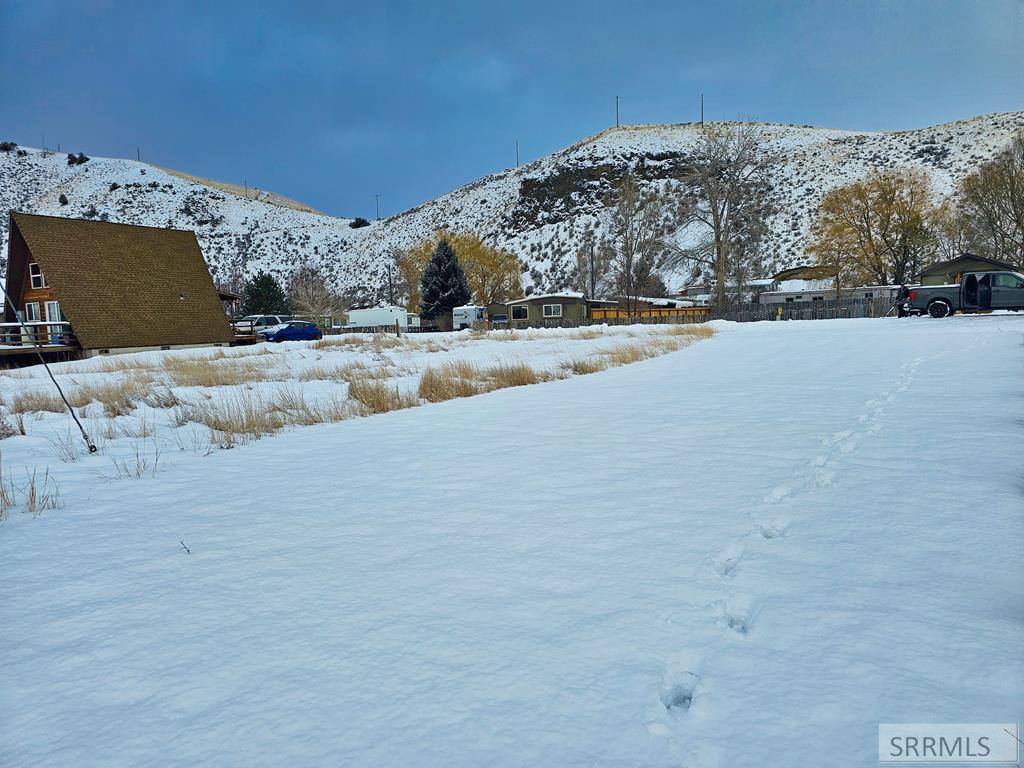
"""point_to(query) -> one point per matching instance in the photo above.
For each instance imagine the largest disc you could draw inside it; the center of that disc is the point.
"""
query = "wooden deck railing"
(30, 334)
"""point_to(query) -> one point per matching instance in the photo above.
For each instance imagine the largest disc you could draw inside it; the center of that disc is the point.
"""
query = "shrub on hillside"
(63, 199)
(78, 159)
(7, 146)
(358, 222)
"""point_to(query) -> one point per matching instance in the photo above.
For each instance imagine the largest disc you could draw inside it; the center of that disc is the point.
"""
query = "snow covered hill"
(716, 573)
(540, 211)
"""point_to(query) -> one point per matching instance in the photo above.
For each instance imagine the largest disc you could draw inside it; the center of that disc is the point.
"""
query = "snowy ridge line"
(540, 211)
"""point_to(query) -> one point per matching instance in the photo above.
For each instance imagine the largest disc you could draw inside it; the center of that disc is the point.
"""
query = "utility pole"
(702, 109)
(246, 183)
(376, 201)
(44, 141)
(391, 287)
(517, 153)
(138, 154)
(616, 111)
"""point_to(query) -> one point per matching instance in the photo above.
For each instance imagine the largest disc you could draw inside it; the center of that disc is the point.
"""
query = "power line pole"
(376, 202)
(702, 109)
(138, 154)
(517, 153)
(616, 111)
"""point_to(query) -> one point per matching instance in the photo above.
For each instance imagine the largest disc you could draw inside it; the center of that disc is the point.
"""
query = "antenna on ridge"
(702, 109)
(616, 111)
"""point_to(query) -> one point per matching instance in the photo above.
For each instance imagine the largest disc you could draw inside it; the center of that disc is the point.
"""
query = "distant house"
(548, 308)
(947, 272)
(749, 290)
(122, 288)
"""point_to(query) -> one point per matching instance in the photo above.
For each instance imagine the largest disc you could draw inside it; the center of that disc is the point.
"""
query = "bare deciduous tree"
(593, 264)
(639, 224)
(724, 195)
(309, 294)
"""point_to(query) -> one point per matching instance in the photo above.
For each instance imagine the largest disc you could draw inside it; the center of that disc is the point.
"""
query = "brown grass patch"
(215, 371)
(460, 378)
(696, 331)
(585, 365)
(378, 397)
(118, 397)
(32, 401)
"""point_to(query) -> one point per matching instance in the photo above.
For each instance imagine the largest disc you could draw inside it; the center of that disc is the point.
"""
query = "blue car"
(293, 330)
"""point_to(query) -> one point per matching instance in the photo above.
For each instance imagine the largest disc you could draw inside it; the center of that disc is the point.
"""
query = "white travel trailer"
(466, 317)
(379, 317)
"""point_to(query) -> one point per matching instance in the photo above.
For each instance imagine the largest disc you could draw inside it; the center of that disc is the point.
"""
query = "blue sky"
(331, 103)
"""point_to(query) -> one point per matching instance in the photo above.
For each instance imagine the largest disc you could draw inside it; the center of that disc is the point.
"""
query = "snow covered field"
(748, 552)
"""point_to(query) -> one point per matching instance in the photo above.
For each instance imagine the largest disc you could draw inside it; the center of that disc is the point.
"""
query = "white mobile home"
(379, 317)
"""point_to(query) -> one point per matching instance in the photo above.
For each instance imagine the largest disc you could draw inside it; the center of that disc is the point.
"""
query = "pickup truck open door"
(969, 292)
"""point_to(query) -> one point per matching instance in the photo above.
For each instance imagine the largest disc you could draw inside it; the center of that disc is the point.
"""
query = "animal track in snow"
(725, 562)
(677, 695)
(777, 494)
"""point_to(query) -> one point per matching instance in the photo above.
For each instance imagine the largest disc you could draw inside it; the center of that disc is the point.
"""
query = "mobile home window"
(519, 312)
(552, 310)
(36, 276)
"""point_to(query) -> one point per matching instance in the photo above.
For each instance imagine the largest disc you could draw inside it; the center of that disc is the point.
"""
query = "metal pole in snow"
(616, 111)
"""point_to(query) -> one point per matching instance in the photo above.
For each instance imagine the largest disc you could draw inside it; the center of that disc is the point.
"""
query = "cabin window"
(36, 276)
(789, 299)
(552, 310)
(32, 312)
(869, 295)
(817, 298)
(519, 312)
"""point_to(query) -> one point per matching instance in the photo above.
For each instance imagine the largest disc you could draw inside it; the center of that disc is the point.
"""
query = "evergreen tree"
(263, 295)
(443, 286)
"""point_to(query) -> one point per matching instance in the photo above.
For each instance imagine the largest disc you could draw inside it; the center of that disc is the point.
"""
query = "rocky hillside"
(539, 211)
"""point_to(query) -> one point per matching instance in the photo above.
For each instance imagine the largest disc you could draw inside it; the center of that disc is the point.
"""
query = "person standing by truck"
(901, 297)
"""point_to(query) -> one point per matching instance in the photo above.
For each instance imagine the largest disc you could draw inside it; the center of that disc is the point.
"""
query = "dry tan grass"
(215, 372)
(628, 353)
(696, 331)
(295, 409)
(377, 397)
(6, 495)
(585, 365)
(347, 372)
(40, 493)
(241, 416)
(352, 341)
(459, 378)
(506, 375)
(118, 397)
(449, 381)
(32, 400)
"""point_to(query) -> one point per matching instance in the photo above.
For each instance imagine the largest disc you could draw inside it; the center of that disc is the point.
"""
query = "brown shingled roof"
(124, 286)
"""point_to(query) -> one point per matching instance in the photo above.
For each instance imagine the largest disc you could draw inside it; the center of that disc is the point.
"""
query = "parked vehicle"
(465, 317)
(294, 330)
(378, 317)
(255, 323)
(977, 291)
